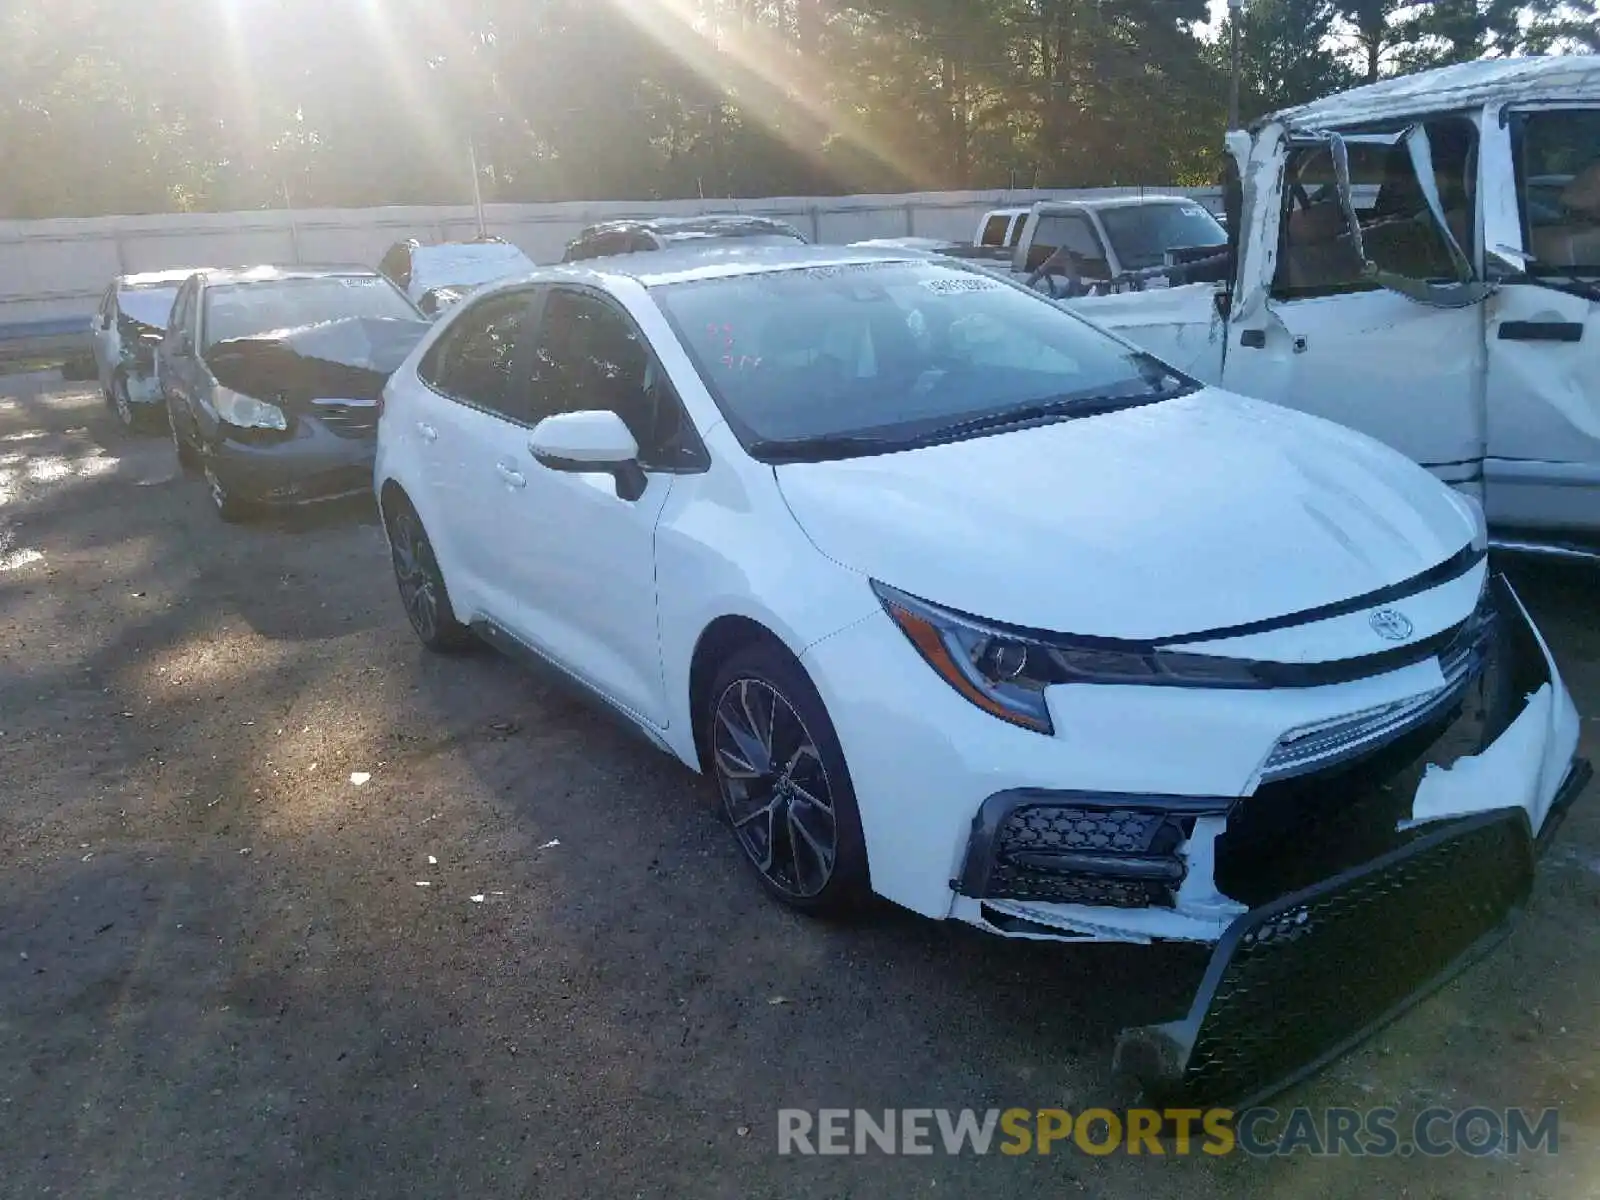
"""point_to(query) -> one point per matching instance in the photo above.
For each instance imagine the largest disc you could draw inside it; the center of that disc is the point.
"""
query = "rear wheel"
(784, 785)
(421, 583)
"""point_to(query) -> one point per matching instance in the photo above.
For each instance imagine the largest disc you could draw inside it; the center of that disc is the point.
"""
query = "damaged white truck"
(1420, 259)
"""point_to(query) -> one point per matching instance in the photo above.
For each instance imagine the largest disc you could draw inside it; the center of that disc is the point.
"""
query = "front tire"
(421, 584)
(230, 506)
(122, 404)
(785, 789)
(188, 458)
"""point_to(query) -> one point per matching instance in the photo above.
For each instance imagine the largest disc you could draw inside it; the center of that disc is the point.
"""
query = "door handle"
(1253, 339)
(428, 432)
(1541, 331)
(511, 475)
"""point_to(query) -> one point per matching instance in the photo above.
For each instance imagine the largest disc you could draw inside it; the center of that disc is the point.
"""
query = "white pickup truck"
(1420, 259)
(1097, 245)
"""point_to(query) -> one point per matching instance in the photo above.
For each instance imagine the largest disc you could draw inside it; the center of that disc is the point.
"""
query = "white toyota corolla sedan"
(966, 603)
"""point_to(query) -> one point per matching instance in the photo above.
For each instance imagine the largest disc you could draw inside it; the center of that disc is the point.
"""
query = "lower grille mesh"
(1295, 982)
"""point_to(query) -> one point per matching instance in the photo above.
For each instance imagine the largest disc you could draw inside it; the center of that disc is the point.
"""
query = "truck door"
(1311, 326)
(1543, 324)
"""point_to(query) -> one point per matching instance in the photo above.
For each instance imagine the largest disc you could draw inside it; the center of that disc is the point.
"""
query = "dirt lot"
(220, 974)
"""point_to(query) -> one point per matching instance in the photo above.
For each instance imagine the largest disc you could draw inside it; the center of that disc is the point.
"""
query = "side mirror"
(587, 443)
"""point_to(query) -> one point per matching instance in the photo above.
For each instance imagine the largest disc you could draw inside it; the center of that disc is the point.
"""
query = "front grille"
(1295, 983)
(1297, 830)
(1313, 747)
(1065, 853)
(1047, 829)
(349, 420)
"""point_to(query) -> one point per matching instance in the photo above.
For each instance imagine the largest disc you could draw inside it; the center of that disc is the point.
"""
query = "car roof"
(156, 278)
(1102, 202)
(700, 225)
(1465, 85)
(272, 274)
(475, 248)
(682, 264)
(909, 243)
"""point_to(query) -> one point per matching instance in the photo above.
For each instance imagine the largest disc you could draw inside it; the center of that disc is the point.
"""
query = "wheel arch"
(720, 640)
(389, 492)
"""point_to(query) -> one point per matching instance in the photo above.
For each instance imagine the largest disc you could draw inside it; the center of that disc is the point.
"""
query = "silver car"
(132, 316)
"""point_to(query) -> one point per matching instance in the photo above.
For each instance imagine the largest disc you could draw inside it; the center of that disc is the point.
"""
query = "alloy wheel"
(122, 402)
(774, 788)
(416, 572)
(219, 494)
(185, 455)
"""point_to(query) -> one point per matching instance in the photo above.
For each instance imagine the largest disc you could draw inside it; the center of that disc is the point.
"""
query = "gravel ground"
(221, 973)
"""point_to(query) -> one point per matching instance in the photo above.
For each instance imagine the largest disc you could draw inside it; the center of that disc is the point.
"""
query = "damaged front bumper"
(320, 457)
(1345, 887)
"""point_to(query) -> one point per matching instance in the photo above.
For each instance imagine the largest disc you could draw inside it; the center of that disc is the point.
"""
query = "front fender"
(727, 545)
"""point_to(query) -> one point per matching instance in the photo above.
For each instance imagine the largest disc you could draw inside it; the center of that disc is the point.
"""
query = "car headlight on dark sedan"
(1005, 671)
(246, 411)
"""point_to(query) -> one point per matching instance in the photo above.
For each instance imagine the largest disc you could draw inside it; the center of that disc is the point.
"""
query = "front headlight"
(247, 412)
(1005, 671)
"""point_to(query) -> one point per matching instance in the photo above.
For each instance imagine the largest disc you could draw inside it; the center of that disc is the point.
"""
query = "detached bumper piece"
(1296, 983)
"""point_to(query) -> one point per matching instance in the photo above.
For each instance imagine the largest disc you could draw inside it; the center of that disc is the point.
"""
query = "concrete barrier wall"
(56, 270)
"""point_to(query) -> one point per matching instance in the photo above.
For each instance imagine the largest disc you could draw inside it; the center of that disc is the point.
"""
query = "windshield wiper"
(1060, 409)
(820, 447)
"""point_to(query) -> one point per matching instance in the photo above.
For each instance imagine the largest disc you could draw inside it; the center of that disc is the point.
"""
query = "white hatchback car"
(967, 603)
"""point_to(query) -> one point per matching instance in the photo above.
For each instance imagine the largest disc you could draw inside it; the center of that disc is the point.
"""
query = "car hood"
(1193, 514)
(351, 358)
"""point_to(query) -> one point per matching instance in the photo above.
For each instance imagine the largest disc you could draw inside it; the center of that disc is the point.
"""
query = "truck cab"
(1111, 244)
(1420, 259)
(999, 228)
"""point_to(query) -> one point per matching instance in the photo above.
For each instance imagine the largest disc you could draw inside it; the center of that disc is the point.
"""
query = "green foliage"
(222, 104)
(1284, 55)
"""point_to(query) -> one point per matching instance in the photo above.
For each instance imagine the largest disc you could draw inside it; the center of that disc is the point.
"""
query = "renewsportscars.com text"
(1257, 1132)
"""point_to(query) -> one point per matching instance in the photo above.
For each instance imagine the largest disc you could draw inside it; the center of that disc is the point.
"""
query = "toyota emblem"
(1390, 625)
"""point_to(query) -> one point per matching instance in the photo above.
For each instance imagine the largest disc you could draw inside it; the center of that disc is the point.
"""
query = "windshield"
(1558, 170)
(241, 309)
(1141, 234)
(149, 305)
(894, 352)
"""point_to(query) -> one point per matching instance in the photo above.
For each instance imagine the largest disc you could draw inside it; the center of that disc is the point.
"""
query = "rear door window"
(1558, 179)
(995, 230)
